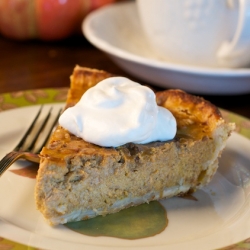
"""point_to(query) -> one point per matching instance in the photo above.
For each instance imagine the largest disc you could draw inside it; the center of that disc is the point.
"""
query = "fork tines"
(29, 140)
(28, 152)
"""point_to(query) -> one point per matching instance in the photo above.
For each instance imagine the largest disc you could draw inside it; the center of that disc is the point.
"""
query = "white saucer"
(115, 29)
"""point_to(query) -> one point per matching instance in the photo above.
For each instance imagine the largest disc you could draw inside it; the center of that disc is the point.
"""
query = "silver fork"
(28, 152)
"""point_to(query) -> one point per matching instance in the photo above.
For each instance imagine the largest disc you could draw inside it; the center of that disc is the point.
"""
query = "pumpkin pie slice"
(78, 180)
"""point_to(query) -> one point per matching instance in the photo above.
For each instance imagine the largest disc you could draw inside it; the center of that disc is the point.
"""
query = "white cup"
(210, 33)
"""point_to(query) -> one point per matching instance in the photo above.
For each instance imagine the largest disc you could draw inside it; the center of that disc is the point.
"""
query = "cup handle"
(241, 39)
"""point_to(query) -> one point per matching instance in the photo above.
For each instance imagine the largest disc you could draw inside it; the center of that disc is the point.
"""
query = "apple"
(44, 19)
(57, 19)
(17, 19)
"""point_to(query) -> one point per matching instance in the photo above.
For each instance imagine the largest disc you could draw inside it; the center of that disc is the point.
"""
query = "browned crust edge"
(81, 80)
(185, 105)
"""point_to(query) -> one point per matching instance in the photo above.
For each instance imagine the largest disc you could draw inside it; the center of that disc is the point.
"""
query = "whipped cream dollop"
(117, 111)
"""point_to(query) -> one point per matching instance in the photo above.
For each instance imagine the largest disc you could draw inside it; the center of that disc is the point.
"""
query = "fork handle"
(31, 157)
(11, 157)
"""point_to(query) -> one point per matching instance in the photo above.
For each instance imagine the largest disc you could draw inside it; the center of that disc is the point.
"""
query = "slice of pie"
(78, 180)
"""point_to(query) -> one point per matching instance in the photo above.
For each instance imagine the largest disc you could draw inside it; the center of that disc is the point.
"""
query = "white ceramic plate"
(219, 218)
(116, 30)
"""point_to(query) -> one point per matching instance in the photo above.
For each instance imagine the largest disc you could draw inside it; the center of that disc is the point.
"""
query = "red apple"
(44, 19)
(17, 19)
(57, 19)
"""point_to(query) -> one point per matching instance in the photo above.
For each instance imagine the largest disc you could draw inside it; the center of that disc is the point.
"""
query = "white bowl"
(115, 29)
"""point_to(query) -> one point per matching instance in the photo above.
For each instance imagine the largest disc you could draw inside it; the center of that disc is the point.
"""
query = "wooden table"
(37, 64)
